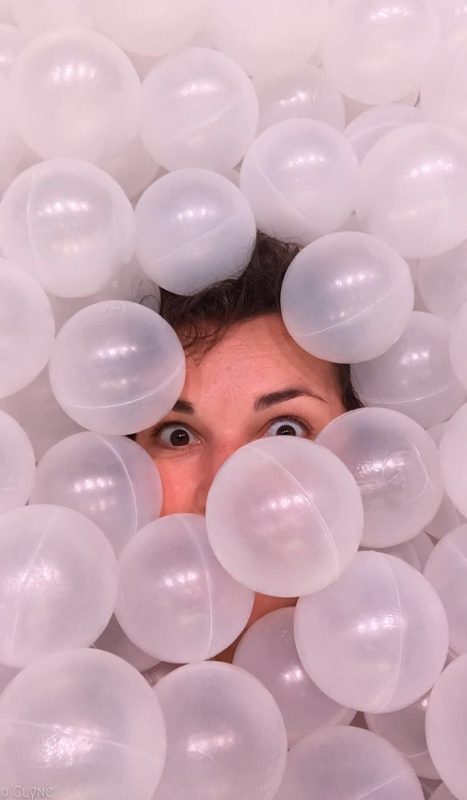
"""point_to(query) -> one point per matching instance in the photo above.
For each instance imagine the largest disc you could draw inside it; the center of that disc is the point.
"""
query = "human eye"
(285, 427)
(172, 435)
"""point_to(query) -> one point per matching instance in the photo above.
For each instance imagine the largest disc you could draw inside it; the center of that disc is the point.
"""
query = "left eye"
(285, 427)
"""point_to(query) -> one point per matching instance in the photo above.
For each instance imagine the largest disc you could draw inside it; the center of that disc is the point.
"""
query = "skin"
(254, 358)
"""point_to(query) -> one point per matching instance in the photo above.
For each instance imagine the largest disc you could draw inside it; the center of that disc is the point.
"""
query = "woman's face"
(256, 381)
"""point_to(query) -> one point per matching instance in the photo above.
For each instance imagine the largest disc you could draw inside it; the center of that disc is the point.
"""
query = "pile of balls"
(150, 139)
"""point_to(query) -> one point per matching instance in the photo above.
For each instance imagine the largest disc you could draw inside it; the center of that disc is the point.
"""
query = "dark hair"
(255, 292)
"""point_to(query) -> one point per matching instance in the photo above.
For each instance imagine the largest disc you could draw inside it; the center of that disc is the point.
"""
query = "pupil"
(289, 430)
(179, 437)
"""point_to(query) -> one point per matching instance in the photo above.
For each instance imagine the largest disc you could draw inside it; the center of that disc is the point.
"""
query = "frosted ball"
(199, 110)
(267, 650)
(5, 11)
(17, 464)
(396, 466)
(304, 91)
(269, 35)
(453, 455)
(452, 16)
(150, 27)
(133, 168)
(69, 224)
(109, 479)
(194, 228)
(225, 735)
(346, 763)
(85, 723)
(415, 375)
(12, 148)
(6, 675)
(370, 126)
(457, 344)
(11, 42)
(442, 282)
(442, 793)
(443, 97)
(405, 730)
(377, 53)
(114, 640)
(27, 328)
(176, 602)
(447, 572)
(448, 516)
(382, 632)
(347, 297)
(58, 582)
(38, 16)
(300, 177)
(273, 520)
(446, 726)
(413, 189)
(77, 94)
(416, 552)
(117, 367)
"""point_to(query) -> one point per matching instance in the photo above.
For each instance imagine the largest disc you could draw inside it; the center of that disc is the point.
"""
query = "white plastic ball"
(114, 640)
(194, 228)
(457, 344)
(133, 168)
(150, 27)
(447, 572)
(199, 110)
(382, 633)
(453, 455)
(69, 224)
(397, 469)
(17, 464)
(304, 91)
(446, 726)
(405, 730)
(442, 282)
(300, 177)
(76, 94)
(377, 53)
(11, 42)
(58, 582)
(117, 367)
(225, 735)
(415, 552)
(452, 16)
(267, 650)
(346, 763)
(415, 375)
(273, 520)
(5, 12)
(370, 126)
(442, 793)
(84, 723)
(176, 602)
(12, 148)
(269, 35)
(443, 98)
(448, 516)
(39, 16)
(27, 328)
(413, 189)
(109, 479)
(347, 297)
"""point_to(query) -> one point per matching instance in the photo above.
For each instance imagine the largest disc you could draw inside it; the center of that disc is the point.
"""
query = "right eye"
(173, 435)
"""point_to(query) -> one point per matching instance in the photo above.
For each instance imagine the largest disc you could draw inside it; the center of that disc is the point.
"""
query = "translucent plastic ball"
(347, 297)
(405, 730)
(452, 15)
(225, 735)
(457, 344)
(396, 466)
(416, 552)
(447, 572)
(442, 793)
(199, 110)
(382, 632)
(176, 602)
(117, 367)
(27, 328)
(273, 520)
(269, 35)
(12, 148)
(453, 455)
(76, 94)
(58, 582)
(300, 177)
(85, 723)
(109, 479)
(415, 375)
(114, 640)
(446, 726)
(38, 16)
(442, 282)
(267, 650)
(370, 126)
(194, 228)
(304, 91)
(442, 97)
(133, 168)
(11, 42)
(448, 516)
(69, 224)
(17, 464)
(413, 189)
(5, 11)
(377, 53)
(152, 28)
(346, 763)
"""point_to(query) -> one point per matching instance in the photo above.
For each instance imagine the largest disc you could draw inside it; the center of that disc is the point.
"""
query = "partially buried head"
(245, 378)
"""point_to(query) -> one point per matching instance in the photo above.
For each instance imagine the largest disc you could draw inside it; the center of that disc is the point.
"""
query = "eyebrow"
(262, 402)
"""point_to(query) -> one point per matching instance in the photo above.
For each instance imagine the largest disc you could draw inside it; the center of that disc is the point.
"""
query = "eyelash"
(159, 428)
